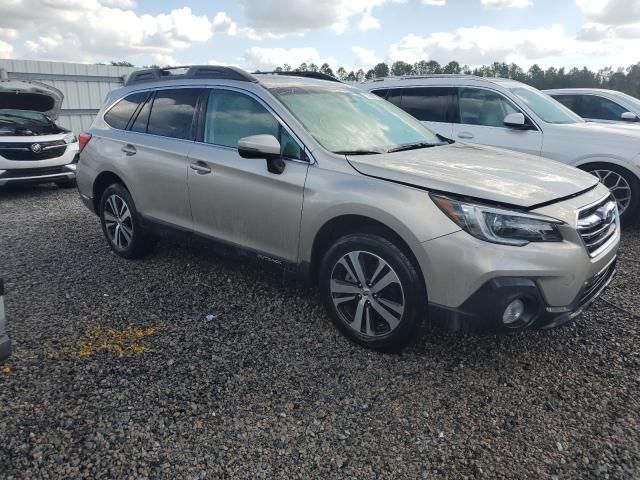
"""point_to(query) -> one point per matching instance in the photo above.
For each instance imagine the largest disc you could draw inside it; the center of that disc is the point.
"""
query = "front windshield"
(548, 109)
(631, 100)
(348, 121)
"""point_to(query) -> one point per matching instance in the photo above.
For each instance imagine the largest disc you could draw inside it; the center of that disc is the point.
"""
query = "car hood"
(32, 96)
(485, 173)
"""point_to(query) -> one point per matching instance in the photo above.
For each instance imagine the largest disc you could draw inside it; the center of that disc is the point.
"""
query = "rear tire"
(624, 186)
(121, 224)
(372, 291)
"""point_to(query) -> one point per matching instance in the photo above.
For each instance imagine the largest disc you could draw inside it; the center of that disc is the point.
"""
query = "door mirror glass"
(629, 117)
(515, 120)
(259, 146)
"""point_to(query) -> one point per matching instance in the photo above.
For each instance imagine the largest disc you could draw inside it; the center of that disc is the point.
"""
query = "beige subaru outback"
(394, 224)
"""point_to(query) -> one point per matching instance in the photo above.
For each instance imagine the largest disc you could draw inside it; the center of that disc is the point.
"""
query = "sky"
(263, 34)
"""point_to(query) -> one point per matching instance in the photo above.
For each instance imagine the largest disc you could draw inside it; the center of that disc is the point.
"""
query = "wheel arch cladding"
(101, 183)
(343, 225)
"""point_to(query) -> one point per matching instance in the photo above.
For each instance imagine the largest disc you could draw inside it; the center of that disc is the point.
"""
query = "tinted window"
(570, 101)
(120, 114)
(232, 116)
(394, 95)
(172, 113)
(141, 121)
(600, 108)
(483, 107)
(426, 104)
(381, 93)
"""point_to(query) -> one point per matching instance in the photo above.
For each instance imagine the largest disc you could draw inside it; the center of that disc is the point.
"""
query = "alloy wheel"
(367, 293)
(618, 185)
(118, 222)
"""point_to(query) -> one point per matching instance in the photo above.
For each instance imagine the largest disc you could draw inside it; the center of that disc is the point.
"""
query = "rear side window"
(394, 95)
(119, 115)
(172, 113)
(426, 104)
(572, 102)
(232, 116)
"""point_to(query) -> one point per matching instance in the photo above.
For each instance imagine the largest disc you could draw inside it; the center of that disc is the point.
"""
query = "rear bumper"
(5, 348)
(483, 311)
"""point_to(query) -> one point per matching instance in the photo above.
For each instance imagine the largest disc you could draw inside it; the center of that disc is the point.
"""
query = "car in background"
(346, 191)
(33, 148)
(508, 114)
(5, 342)
(599, 105)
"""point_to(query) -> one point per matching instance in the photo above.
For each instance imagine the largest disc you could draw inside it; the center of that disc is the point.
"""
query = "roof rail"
(430, 75)
(306, 74)
(193, 71)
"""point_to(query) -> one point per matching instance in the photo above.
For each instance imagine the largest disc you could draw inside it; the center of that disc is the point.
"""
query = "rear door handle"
(465, 135)
(200, 167)
(129, 150)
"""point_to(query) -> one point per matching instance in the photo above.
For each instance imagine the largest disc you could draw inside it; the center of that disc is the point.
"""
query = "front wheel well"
(353, 224)
(604, 164)
(100, 185)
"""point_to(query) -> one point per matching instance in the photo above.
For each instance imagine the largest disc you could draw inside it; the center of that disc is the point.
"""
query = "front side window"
(600, 108)
(119, 115)
(233, 115)
(345, 120)
(484, 107)
(172, 113)
(426, 104)
(545, 107)
(572, 102)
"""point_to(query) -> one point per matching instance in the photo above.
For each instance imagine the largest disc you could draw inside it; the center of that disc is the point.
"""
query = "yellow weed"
(130, 340)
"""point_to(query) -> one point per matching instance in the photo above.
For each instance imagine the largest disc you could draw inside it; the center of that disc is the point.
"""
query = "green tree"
(452, 67)
(400, 69)
(326, 69)
(381, 70)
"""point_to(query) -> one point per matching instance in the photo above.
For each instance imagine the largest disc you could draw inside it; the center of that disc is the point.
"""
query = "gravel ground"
(118, 374)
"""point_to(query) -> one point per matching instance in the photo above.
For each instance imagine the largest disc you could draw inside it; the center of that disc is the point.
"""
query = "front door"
(237, 200)
(482, 114)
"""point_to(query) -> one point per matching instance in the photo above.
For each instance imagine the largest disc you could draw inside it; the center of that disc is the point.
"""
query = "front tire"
(121, 224)
(623, 184)
(372, 291)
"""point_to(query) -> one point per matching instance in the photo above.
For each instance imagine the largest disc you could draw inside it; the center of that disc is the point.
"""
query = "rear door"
(433, 106)
(157, 146)
(237, 200)
(481, 120)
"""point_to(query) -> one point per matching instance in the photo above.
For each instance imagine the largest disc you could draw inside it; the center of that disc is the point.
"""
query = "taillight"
(83, 139)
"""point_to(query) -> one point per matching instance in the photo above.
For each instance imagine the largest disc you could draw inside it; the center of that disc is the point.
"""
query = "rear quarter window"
(119, 115)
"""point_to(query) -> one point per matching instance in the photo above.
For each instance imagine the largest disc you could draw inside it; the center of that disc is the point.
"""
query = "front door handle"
(465, 135)
(200, 167)
(129, 150)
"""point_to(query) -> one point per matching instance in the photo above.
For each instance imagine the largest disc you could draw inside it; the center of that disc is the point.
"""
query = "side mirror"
(515, 120)
(629, 117)
(265, 147)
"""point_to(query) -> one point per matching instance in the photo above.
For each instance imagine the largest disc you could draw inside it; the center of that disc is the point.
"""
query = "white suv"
(509, 114)
(33, 148)
(598, 105)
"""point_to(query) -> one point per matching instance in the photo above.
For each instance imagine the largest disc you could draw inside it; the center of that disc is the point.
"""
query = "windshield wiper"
(414, 146)
(359, 152)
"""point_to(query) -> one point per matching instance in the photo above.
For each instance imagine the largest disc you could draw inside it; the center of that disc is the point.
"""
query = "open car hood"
(31, 95)
(485, 173)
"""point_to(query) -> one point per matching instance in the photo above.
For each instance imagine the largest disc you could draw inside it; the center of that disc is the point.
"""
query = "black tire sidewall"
(631, 212)
(414, 290)
(137, 246)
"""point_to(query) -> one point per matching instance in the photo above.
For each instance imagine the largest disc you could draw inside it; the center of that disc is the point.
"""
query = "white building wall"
(84, 86)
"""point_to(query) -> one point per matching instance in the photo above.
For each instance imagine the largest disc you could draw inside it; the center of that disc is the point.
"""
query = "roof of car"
(580, 90)
(437, 79)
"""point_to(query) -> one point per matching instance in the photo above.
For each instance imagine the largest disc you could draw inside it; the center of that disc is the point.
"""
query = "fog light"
(513, 313)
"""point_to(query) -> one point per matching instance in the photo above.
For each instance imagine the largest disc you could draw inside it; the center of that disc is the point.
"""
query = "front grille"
(32, 172)
(24, 150)
(596, 284)
(597, 224)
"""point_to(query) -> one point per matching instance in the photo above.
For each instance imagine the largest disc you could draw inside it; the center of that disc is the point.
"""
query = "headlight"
(70, 138)
(497, 225)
